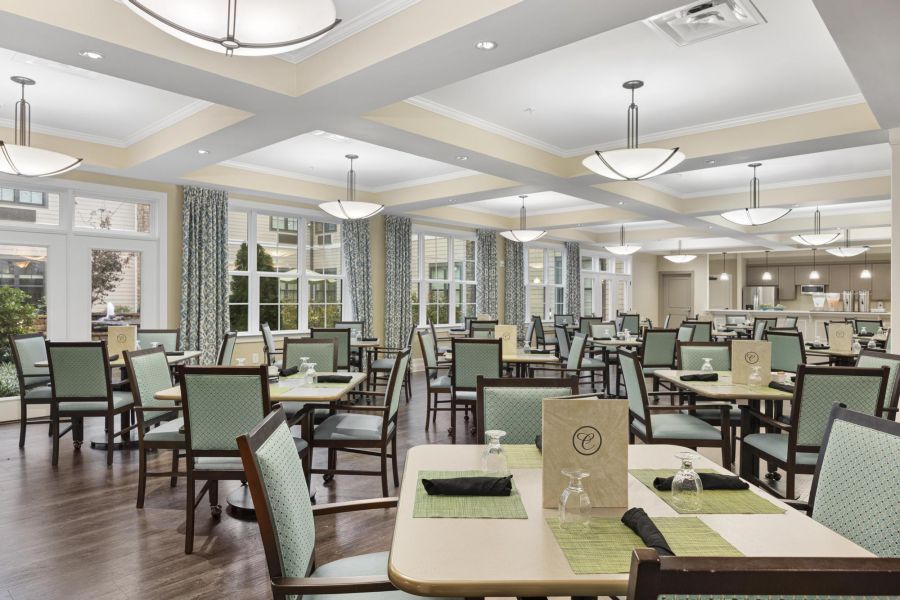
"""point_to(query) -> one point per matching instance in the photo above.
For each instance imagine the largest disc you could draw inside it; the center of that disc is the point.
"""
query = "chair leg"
(23, 421)
(214, 507)
(384, 488)
(174, 480)
(789, 492)
(54, 431)
(452, 420)
(110, 432)
(394, 461)
(428, 399)
(142, 476)
(189, 515)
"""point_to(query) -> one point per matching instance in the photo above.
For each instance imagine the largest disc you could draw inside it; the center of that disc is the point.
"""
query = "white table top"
(509, 557)
(120, 362)
(291, 390)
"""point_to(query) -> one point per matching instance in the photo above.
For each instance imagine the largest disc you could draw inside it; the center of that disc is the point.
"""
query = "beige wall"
(645, 286)
(699, 268)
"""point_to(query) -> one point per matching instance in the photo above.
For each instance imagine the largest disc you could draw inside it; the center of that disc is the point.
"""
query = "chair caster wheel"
(77, 445)
(216, 511)
(774, 476)
(327, 478)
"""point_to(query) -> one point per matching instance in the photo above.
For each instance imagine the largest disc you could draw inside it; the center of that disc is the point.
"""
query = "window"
(16, 196)
(111, 215)
(443, 277)
(545, 270)
(24, 268)
(293, 281)
(605, 285)
(18, 206)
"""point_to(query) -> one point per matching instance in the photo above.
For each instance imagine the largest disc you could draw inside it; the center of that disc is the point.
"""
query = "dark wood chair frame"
(540, 337)
(784, 332)
(314, 330)
(579, 372)
(356, 354)
(892, 404)
(273, 352)
(456, 403)
(375, 377)
(440, 350)
(24, 420)
(668, 365)
(509, 382)
(297, 418)
(473, 327)
(177, 333)
(771, 322)
(432, 402)
(220, 357)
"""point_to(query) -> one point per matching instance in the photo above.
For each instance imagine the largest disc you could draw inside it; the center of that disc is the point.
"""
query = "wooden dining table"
(472, 557)
(723, 389)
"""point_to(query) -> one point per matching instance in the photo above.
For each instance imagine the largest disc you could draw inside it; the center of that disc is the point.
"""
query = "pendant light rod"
(632, 134)
(22, 134)
(522, 219)
(754, 187)
(351, 178)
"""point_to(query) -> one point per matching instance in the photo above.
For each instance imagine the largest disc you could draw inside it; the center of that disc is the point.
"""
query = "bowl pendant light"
(767, 275)
(756, 214)
(681, 257)
(255, 28)
(351, 208)
(20, 158)
(633, 163)
(816, 238)
(846, 251)
(724, 276)
(814, 274)
(623, 249)
(523, 234)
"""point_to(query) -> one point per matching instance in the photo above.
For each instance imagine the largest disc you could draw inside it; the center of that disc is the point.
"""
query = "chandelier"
(724, 276)
(351, 208)
(680, 257)
(523, 234)
(248, 28)
(816, 238)
(767, 274)
(623, 249)
(20, 158)
(846, 251)
(633, 163)
(756, 214)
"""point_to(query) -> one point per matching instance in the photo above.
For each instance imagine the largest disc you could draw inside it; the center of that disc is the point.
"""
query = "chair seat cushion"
(442, 381)
(466, 396)
(680, 427)
(592, 363)
(776, 444)
(383, 364)
(233, 463)
(39, 394)
(351, 426)
(292, 409)
(648, 371)
(120, 400)
(167, 432)
(734, 414)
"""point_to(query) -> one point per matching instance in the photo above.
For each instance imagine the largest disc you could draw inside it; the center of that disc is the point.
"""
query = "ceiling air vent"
(700, 21)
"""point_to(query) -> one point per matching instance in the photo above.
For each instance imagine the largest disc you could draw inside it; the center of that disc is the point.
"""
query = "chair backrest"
(691, 355)
(631, 322)
(538, 329)
(268, 342)
(564, 319)
(666, 322)
(868, 326)
(220, 404)
(702, 331)
(80, 371)
(735, 319)
(514, 405)
(576, 351)
(148, 373)
(280, 496)
(852, 322)
(472, 358)
(28, 349)
(529, 333)
(635, 387)
(562, 341)
(395, 386)
(434, 334)
(585, 324)
(761, 324)
(790, 321)
(686, 332)
(355, 327)
(788, 349)
(604, 330)
(466, 321)
(342, 337)
(655, 577)
(871, 358)
(819, 388)
(226, 350)
(482, 329)
(856, 487)
(429, 352)
(323, 352)
(659, 348)
(170, 339)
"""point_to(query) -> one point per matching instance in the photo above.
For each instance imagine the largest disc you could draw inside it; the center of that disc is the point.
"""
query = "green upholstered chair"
(668, 424)
(542, 340)
(872, 358)
(34, 382)
(367, 430)
(788, 350)
(790, 322)
(271, 351)
(794, 447)
(563, 341)
(342, 337)
(287, 525)
(436, 383)
(702, 331)
(691, 355)
(226, 350)
(357, 329)
(761, 324)
(529, 333)
(219, 404)
(606, 354)
(380, 360)
(602, 330)
(82, 387)
(586, 323)
(685, 332)
(322, 352)
(170, 339)
(658, 351)
(735, 319)
(440, 349)
(158, 424)
(471, 358)
(631, 322)
(867, 326)
(514, 405)
(577, 363)
(655, 577)
(566, 320)
(482, 329)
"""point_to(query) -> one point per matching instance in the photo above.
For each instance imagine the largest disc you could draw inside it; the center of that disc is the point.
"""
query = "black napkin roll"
(603, 337)
(816, 346)
(710, 481)
(113, 357)
(539, 441)
(335, 378)
(289, 371)
(537, 351)
(369, 339)
(175, 353)
(638, 521)
(700, 377)
(469, 486)
(784, 387)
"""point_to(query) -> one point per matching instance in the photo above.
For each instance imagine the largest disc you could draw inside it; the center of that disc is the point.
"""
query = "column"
(894, 138)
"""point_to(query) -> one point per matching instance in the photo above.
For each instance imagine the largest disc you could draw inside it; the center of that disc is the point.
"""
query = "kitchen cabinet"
(881, 281)
(787, 285)
(754, 276)
(857, 282)
(802, 274)
(838, 277)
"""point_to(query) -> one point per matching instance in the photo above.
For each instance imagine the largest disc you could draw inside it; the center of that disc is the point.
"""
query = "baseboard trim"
(9, 410)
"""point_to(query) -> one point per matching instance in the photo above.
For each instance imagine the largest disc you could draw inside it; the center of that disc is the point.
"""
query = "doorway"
(676, 297)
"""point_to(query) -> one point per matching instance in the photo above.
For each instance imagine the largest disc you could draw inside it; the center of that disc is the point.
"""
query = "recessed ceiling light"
(529, 109)
(202, 151)
(621, 203)
(91, 54)
(710, 162)
(486, 45)
(462, 157)
(709, 226)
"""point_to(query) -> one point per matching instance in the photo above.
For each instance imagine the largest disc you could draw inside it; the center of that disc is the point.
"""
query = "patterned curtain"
(486, 272)
(355, 241)
(573, 278)
(204, 271)
(514, 295)
(397, 276)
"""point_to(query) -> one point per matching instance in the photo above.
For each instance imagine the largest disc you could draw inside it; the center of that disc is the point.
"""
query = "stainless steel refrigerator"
(759, 295)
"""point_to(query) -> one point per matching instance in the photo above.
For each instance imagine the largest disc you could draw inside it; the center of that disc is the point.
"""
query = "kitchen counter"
(810, 322)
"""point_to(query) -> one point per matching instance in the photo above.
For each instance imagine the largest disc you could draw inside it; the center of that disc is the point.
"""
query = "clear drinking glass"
(707, 365)
(687, 489)
(311, 374)
(755, 377)
(240, 361)
(574, 503)
(154, 344)
(303, 369)
(863, 330)
(856, 347)
(493, 460)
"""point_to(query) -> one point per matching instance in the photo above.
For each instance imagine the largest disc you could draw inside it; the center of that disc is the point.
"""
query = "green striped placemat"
(465, 507)
(523, 456)
(606, 546)
(715, 502)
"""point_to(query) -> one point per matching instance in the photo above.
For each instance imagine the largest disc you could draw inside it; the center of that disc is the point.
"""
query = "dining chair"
(578, 365)
(669, 424)
(541, 340)
(585, 324)
(219, 404)
(604, 330)
(563, 340)
(867, 326)
(323, 353)
(631, 322)
(608, 354)
(226, 350)
(342, 337)
(357, 329)
(435, 383)
(874, 359)
(791, 322)
(654, 577)
(735, 319)
(380, 360)
(794, 446)
(702, 331)
(658, 352)
(170, 339)
(286, 521)
(471, 358)
(158, 425)
(440, 349)
(788, 349)
(370, 430)
(271, 351)
(482, 329)
(685, 332)
(34, 382)
(761, 324)
(564, 319)
(514, 405)
(82, 387)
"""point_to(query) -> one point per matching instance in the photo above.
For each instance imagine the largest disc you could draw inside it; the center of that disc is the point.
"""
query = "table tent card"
(121, 337)
(507, 333)
(840, 337)
(746, 354)
(591, 434)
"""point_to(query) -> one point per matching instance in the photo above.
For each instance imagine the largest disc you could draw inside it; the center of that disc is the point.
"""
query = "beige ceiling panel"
(445, 189)
(93, 154)
(643, 194)
(465, 218)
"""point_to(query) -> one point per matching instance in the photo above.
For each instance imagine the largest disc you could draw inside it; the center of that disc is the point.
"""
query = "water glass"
(311, 374)
(240, 361)
(493, 460)
(863, 330)
(574, 503)
(856, 347)
(707, 365)
(303, 369)
(687, 489)
(755, 377)
(154, 344)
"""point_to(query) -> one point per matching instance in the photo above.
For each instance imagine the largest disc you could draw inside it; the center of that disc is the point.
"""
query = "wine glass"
(311, 374)
(755, 377)
(493, 460)
(687, 489)
(707, 367)
(303, 369)
(856, 346)
(863, 330)
(574, 503)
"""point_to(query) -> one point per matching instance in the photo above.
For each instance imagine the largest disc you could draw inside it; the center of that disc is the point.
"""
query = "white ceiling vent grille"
(706, 19)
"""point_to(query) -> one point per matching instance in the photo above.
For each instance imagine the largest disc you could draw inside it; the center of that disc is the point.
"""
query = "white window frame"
(616, 279)
(254, 209)
(422, 282)
(549, 298)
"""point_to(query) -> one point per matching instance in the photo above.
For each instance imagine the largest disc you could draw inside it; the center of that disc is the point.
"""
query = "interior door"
(676, 298)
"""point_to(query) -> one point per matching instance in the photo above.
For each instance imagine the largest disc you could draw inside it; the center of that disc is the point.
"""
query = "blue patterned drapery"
(204, 271)
(573, 278)
(514, 294)
(486, 272)
(398, 316)
(355, 241)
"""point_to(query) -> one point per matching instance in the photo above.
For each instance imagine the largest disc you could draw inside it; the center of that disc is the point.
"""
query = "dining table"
(839, 358)
(519, 555)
